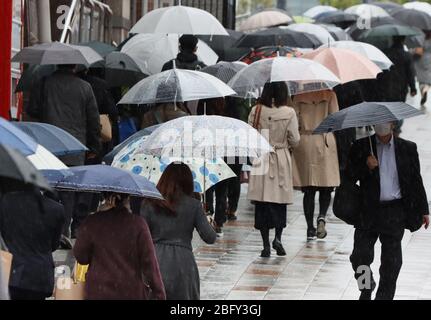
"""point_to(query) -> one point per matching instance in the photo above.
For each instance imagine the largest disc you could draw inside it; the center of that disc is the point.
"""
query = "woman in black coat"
(172, 223)
(31, 224)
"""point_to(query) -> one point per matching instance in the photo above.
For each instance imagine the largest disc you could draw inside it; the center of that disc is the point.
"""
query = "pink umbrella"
(345, 64)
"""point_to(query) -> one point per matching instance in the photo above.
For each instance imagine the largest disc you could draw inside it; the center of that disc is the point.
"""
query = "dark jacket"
(118, 247)
(185, 60)
(31, 227)
(68, 102)
(413, 193)
(393, 84)
(172, 236)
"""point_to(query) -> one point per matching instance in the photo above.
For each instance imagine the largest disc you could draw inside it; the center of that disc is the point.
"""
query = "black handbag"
(347, 203)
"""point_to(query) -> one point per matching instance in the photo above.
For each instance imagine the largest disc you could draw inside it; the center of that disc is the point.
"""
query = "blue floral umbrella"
(152, 167)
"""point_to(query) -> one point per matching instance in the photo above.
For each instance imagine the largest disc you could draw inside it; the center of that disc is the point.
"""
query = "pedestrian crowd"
(141, 248)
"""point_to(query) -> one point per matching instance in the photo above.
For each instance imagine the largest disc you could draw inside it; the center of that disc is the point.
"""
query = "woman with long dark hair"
(172, 222)
(270, 185)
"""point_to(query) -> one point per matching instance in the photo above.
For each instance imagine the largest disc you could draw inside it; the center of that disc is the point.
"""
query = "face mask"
(383, 129)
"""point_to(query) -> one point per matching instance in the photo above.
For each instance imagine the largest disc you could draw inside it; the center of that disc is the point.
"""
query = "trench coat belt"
(310, 132)
(273, 159)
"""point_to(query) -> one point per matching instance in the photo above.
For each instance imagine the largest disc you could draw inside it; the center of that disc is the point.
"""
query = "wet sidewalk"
(232, 268)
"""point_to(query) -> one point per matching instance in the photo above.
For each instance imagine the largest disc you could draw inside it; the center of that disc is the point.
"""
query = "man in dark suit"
(393, 199)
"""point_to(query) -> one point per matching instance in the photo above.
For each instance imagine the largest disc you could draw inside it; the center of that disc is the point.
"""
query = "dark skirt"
(269, 215)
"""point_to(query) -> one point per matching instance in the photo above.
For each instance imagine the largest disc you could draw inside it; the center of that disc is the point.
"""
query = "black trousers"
(234, 187)
(22, 294)
(220, 191)
(389, 229)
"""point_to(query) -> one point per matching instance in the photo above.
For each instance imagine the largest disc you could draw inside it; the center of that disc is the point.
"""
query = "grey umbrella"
(58, 54)
(366, 114)
(122, 70)
(15, 167)
(225, 70)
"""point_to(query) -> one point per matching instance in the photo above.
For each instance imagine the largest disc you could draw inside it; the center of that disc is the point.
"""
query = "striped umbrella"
(225, 70)
(367, 114)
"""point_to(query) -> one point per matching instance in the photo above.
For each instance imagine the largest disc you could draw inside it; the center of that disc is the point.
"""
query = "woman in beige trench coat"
(270, 184)
(315, 160)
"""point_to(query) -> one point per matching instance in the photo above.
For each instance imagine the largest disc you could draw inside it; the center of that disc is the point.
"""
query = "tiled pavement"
(232, 268)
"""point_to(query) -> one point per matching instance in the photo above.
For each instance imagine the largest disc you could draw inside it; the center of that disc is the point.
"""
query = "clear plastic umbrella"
(152, 51)
(179, 20)
(265, 19)
(301, 75)
(418, 5)
(318, 31)
(208, 137)
(176, 85)
(367, 11)
(371, 52)
(315, 11)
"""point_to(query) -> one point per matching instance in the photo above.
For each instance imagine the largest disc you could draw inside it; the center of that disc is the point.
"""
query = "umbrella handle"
(371, 143)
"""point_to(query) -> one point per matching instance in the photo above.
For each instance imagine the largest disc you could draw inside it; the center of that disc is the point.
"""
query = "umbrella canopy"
(224, 70)
(279, 36)
(15, 138)
(176, 85)
(337, 17)
(389, 7)
(367, 114)
(337, 33)
(56, 140)
(32, 75)
(265, 19)
(315, 11)
(108, 158)
(413, 18)
(100, 47)
(152, 167)
(152, 51)
(269, 52)
(389, 31)
(301, 75)
(345, 64)
(42, 159)
(357, 29)
(208, 137)
(179, 20)
(367, 50)
(367, 11)
(221, 44)
(58, 54)
(102, 178)
(318, 31)
(122, 70)
(16, 167)
(418, 5)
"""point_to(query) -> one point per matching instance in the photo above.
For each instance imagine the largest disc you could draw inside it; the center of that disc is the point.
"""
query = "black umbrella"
(122, 70)
(221, 44)
(224, 70)
(389, 7)
(100, 47)
(367, 114)
(14, 166)
(339, 18)
(413, 18)
(357, 29)
(279, 37)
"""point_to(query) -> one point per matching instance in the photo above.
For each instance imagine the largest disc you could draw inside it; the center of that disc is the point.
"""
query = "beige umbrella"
(345, 64)
(264, 19)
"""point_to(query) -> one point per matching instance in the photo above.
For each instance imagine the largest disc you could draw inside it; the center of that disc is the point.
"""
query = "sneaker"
(321, 230)
(219, 231)
(424, 98)
(311, 234)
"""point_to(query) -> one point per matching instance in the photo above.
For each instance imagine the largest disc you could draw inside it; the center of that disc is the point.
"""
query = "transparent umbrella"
(318, 31)
(301, 75)
(176, 86)
(152, 51)
(367, 11)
